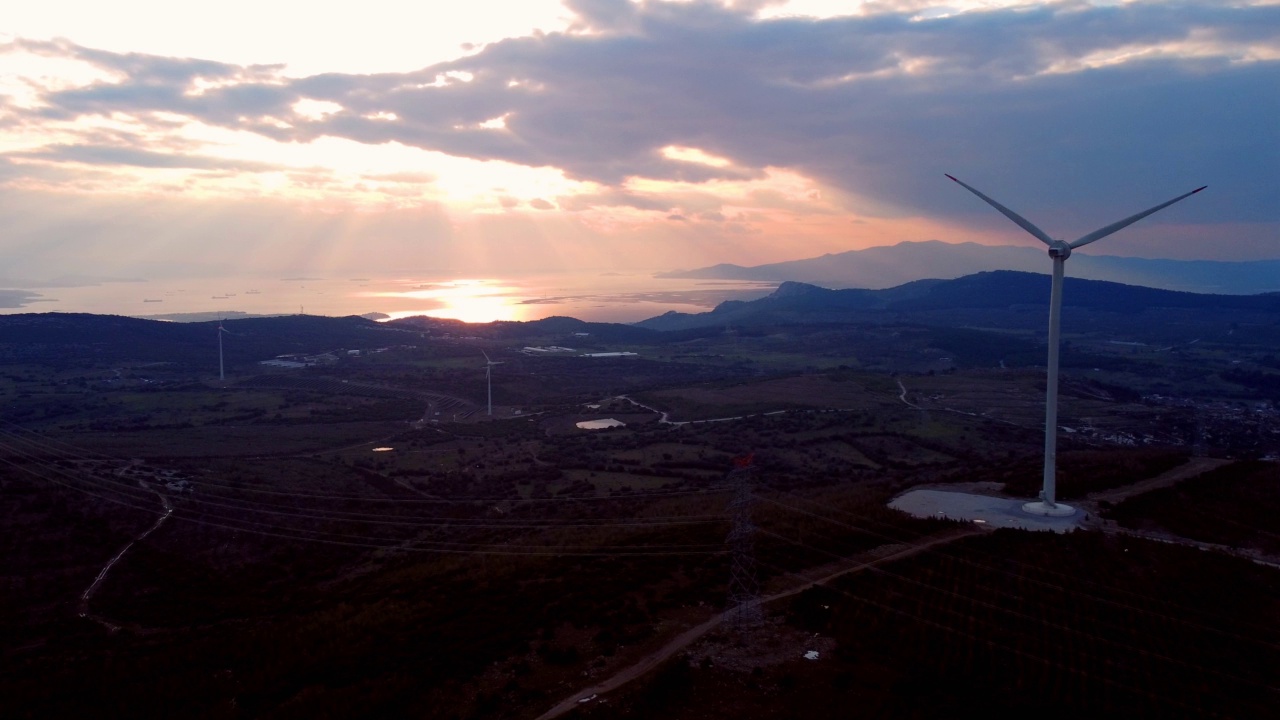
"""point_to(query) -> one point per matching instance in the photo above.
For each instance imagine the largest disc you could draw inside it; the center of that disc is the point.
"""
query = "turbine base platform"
(1044, 509)
(987, 511)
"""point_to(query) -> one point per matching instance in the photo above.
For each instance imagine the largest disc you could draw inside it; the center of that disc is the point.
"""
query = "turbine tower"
(1059, 251)
(488, 376)
(222, 375)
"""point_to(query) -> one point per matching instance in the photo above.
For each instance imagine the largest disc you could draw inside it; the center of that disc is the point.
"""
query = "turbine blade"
(1103, 232)
(486, 356)
(1022, 222)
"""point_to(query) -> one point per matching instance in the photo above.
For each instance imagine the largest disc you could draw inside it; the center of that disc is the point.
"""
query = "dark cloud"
(878, 106)
(604, 15)
(20, 298)
(615, 198)
(135, 157)
(154, 83)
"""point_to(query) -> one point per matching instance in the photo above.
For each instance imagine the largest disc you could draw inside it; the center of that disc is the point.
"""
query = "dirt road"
(687, 637)
(1193, 467)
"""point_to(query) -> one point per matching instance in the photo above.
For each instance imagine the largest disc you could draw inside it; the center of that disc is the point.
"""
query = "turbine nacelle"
(1059, 250)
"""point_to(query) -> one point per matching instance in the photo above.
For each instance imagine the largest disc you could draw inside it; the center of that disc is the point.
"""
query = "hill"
(887, 266)
(795, 302)
(73, 339)
(558, 326)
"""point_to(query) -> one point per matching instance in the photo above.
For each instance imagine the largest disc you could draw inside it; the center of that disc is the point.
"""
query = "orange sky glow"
(543, 136)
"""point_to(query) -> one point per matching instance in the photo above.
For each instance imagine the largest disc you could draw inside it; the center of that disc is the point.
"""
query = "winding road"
(1194, 466)
(102, 574)
(686, 638)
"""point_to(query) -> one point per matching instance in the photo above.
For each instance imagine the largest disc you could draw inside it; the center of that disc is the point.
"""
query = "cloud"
(1053, 107)
(603, 16)
(20, 298)
(616, 198)
(59, 233)
(137, 157)
(64, 281)
(405, 177)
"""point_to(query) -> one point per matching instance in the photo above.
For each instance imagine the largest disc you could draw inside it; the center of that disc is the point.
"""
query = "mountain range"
(1003, 299)
(795, 302)
(892, 265)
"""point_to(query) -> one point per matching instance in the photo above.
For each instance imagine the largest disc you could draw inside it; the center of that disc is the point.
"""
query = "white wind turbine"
(222, 375)
(488, 376)
(1059, 251)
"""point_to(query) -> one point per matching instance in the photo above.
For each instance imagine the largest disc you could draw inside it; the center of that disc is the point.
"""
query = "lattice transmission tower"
(744, 586)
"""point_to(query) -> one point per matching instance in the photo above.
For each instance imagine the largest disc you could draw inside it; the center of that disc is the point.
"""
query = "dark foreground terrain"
(355, 536)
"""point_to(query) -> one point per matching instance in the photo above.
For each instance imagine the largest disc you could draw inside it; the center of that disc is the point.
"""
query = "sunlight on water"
(473, 301)
(593, 297)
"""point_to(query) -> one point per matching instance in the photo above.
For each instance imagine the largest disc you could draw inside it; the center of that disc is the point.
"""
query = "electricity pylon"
(744, 586)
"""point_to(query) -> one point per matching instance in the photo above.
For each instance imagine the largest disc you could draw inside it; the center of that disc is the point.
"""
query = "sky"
(143, 139)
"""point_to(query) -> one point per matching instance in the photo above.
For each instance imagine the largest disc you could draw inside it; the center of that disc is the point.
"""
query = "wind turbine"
(1059, 251)
(488, 376)
(222, 375)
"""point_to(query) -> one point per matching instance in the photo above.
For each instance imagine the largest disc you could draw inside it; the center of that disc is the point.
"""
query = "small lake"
(600, 424)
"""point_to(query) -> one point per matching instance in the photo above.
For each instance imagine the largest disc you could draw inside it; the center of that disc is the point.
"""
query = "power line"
(1147, 601)
(989, 642)
(77, 452)
(1056, 627)
(410, 521)
(373, 542)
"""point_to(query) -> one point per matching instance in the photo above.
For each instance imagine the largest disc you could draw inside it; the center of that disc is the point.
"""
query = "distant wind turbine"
(488, 376)
(222, 375)
(1060, 251)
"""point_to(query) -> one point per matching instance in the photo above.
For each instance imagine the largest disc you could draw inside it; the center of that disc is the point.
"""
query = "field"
(1231, 506)
(360, 537)
(1083, 625)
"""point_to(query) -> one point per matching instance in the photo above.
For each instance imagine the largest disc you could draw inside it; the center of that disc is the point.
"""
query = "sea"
(609, 297)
